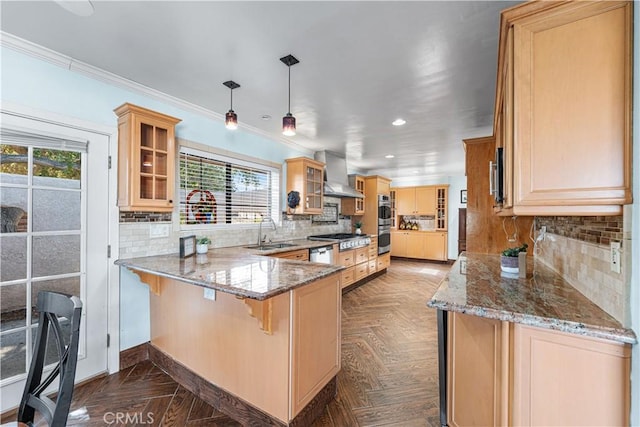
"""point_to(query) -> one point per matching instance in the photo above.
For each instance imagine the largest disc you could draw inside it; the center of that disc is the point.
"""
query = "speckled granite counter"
(239, 271)
(475, 286)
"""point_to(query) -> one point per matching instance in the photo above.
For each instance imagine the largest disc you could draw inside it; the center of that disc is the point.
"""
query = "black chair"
(52, 306)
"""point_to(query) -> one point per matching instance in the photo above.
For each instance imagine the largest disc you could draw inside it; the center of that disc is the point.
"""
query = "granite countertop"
(249, 273)
(475, 286)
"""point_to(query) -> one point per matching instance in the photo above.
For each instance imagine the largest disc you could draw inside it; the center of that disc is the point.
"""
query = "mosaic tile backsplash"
(578, 249)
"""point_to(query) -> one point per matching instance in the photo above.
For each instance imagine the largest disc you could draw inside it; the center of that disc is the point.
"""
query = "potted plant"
(358, 226)
(202, 244)
(509, 258)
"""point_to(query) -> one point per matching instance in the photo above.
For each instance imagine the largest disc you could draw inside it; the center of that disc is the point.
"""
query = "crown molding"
(26, 47)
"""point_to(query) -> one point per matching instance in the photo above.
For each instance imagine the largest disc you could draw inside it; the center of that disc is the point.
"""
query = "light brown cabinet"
(500, 373)
(299, 254)
(419, 244)
(416, 200)
(306, 176)
(353, 205)
(146, 159)
(384, 261)
(563, 107)
(435, 246)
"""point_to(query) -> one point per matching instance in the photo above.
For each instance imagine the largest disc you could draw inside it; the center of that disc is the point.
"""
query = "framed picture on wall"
(463, 196)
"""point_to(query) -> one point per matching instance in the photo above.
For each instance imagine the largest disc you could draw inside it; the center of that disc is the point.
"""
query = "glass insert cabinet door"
(146, 159)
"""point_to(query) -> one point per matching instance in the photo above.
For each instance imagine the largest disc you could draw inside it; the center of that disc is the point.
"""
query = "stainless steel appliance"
(345, 241)
(322, 255)
(384, 224)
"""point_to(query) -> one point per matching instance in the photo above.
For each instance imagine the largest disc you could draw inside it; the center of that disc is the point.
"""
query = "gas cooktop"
(346, 240)
(336, 236)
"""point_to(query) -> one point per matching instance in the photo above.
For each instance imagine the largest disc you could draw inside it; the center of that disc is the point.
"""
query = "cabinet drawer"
(348, 276)
(373, 266)
(347, 258)
(384, 261)
(373, 250)
(362, 270)
(300, 255)
(362, 255)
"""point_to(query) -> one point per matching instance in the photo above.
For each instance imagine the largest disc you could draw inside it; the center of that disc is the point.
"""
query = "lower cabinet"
(299, 254)
(564, 379)
(419, 244)
(501, 373)
(474, 375)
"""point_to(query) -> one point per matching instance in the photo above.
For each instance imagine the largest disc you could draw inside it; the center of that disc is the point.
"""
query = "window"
(218, 190)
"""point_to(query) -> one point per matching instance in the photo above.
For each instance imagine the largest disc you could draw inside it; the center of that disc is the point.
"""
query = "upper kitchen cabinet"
(416, 200)
(146, 159)
(305, 176)
(354, 205)
(563, 107)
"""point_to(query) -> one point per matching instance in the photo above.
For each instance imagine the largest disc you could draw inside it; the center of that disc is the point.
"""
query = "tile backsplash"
(578, 249)
(139, 237)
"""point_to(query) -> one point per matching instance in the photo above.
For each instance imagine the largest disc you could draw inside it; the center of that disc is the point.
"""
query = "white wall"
(456, 184)
(49, 85)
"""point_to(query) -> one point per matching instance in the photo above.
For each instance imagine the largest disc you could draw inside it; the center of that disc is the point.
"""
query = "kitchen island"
(257, 337)
(534, 350)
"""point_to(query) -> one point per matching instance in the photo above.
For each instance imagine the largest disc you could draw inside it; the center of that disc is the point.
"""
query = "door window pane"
(13, 306)
(14, 165)
(69, 286)
(13, 206)
(13, 257)
(56, 168)
(13, 354)
(55, 255)
(55, 210)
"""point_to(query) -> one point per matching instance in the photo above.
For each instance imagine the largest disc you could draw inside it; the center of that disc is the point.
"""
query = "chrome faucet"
(273, 227)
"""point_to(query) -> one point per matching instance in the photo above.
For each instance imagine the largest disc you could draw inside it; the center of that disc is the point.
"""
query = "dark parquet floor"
(389, 373)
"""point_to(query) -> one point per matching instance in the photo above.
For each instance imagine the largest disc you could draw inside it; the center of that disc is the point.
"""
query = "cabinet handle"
(491, 179)
(170, 201)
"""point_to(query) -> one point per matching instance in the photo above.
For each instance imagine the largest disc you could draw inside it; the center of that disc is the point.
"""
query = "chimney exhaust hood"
(336, 181)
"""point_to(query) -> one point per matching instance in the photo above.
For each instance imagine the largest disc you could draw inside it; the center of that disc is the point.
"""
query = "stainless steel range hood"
(336, 181)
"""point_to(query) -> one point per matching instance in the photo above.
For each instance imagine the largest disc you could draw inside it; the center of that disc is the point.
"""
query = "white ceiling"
(362, 65)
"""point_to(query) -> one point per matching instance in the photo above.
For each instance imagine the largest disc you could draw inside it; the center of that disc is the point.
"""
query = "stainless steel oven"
(384, 210)
(384, 239)
(384, 224)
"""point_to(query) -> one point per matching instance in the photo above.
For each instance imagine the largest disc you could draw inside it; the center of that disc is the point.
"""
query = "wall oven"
(384, 224)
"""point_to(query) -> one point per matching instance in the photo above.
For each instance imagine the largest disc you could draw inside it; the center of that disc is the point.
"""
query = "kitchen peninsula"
(534, 350)
(255, 336)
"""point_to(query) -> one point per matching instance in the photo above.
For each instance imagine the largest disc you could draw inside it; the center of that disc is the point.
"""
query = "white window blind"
(218, 190)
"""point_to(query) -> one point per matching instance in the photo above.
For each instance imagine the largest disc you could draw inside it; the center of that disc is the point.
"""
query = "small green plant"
(513, 252)
(203, 240)
(358, 224)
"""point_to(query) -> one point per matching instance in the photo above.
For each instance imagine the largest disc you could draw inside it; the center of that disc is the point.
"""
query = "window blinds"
(219, 190)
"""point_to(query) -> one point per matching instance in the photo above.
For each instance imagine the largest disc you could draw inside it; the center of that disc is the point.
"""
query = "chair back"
(52, 307)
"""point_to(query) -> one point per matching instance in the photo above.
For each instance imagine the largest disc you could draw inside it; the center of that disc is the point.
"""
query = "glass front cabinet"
(146, 159)
(306, 176)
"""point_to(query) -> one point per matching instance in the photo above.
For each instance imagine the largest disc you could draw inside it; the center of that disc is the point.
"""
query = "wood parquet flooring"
(389, 374)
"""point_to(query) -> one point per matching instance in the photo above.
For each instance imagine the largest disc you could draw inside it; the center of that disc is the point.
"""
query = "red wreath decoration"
(202, 210)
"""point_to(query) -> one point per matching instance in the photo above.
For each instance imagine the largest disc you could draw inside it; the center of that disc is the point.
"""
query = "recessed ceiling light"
(416, 172)
(389, 156)
(266, 117)
(399, 122)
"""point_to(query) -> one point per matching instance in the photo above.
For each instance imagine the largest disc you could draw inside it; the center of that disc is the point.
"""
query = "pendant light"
(231, 118)
(288, 121)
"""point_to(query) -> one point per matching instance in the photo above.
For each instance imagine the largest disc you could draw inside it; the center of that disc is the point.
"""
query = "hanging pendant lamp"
(231, 118)
(288, 121)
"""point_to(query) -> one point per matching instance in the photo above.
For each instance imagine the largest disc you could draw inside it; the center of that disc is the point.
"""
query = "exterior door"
(54, 236)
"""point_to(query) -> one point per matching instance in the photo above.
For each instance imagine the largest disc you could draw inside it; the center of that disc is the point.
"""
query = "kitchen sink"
(268, 246)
